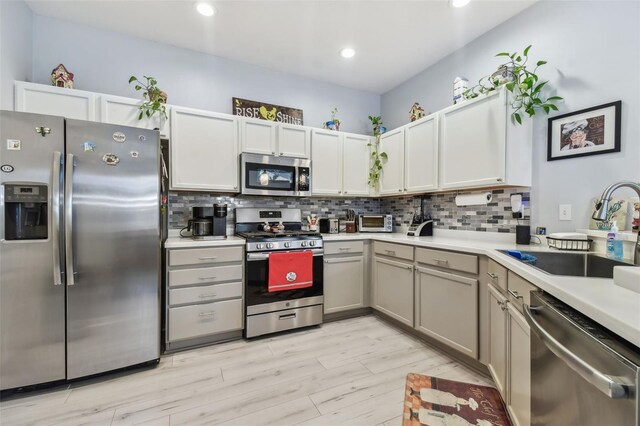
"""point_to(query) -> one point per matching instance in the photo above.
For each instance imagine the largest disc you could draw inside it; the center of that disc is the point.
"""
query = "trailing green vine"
(154, 98)
(378, 158)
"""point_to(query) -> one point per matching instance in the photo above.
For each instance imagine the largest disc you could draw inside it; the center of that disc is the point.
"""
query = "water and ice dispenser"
(25, 215)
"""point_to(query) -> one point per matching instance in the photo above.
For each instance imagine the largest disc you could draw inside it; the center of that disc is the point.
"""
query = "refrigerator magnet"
(134, 154)
(110, 159)
(119, 137)
(6, 168)
(142, 138)
(88, 146)
(14, 144)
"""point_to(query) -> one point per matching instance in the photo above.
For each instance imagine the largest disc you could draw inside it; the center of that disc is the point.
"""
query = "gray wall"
(102, 61)
(16, 25)
(593, 50)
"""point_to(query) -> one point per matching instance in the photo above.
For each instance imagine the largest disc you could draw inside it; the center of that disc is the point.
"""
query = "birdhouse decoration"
(416, 112)
(61, 77)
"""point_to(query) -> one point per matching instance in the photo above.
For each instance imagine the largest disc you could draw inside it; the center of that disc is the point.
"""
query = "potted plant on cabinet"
(154, 99)
(522, 82)
(377, 158)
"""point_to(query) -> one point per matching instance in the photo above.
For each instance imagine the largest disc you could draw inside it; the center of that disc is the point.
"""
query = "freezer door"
(32, 318)
(112, 247)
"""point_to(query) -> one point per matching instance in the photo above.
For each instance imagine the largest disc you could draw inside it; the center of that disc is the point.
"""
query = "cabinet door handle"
(206, 314)
(208, 258)
(441, 262)
(273, 153)
(344, 248)
(515, 294)
(207, 296)
(410, 268)
(399, 190)
(282, 153)
(492, 276)
(390, 252)
(503, 306)
(499, 179)
(207, 278)
(345, 192)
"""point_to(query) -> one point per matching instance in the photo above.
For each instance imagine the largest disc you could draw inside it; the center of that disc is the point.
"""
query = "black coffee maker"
(208, 223)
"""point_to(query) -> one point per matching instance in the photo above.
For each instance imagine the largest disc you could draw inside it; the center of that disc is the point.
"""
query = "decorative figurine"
(460, 85)
(61, 77)
(416, 112)
(334, 124)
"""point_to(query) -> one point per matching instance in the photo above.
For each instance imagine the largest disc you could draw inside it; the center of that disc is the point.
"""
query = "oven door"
(257, 296)
(266, 175)
(374, 223)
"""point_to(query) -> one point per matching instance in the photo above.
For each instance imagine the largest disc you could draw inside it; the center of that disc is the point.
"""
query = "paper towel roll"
(473, 199)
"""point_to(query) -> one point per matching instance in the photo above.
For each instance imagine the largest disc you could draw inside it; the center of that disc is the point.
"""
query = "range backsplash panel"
(494, 217)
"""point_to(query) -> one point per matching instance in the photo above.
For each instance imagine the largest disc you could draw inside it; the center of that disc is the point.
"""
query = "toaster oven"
(375, 223)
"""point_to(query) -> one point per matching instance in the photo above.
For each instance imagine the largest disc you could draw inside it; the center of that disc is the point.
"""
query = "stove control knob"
(269, 245)
(287, 244)
(312, 243)
(259, 246)
(303, 244)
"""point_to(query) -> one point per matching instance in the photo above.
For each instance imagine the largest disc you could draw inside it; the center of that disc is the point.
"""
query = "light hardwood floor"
(346, 372)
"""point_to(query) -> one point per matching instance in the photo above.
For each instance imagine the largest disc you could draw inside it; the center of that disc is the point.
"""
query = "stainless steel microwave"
(375, 223)
(279, 176)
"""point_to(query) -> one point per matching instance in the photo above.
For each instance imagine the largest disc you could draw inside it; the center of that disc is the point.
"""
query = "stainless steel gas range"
(276, 231)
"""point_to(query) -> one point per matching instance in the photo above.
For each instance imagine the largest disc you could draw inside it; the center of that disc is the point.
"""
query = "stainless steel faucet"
(602, 207)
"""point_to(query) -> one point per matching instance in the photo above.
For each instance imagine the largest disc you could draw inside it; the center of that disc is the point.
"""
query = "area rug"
(435, 402)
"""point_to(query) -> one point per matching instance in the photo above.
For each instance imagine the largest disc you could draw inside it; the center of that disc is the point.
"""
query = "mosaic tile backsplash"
(494, 217)
(180, 205)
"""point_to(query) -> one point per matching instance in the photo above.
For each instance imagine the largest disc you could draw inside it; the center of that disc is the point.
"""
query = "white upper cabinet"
(421, 155)
(125, 111)
(481, 146)
(204, 151)
(52, 100)
(258, 136)
(392, 181)
(294, 141)
(355, 165)
(271, 138)
(326, 163)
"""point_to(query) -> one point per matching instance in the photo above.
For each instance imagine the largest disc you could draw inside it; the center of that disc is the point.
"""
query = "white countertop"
(615, 307)
(179, 242)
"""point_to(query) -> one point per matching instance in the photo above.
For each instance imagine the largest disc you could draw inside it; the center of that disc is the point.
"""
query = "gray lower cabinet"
(204, 295)
(393, 289)
(519, 367)
(498, 338)
(447, 309)
(343, 283)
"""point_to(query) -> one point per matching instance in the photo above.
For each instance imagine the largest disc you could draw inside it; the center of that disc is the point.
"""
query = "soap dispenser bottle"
(614, 244)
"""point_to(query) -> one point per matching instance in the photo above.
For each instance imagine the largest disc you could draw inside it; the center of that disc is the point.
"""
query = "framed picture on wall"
(589, 131)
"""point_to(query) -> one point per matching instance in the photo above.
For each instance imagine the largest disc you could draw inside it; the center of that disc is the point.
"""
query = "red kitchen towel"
(290, 271)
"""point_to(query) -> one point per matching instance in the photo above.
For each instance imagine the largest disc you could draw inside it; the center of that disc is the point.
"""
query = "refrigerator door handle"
(55, 209)
(68, 219)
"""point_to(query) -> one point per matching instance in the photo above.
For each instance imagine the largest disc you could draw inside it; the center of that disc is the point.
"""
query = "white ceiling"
(394, 40)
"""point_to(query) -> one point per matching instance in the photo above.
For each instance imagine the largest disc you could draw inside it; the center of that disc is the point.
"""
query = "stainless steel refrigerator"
(79, 248)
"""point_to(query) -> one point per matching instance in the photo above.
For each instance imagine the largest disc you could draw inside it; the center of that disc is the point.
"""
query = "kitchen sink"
(572, 264)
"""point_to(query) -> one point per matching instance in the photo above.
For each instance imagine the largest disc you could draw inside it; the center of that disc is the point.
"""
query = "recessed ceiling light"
(347, 52)
(459, 3)
(205, 9)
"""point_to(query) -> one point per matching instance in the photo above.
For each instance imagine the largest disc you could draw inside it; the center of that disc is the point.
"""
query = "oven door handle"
(265, 256)
(603, 382)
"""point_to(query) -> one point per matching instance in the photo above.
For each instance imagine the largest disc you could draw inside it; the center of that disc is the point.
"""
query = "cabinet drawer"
(497, 275)
(199, 320)
(205, 255)
(206, 293)
(444, 259)
(395, 250)
(343, 247)
(205, 275)
(519, 289)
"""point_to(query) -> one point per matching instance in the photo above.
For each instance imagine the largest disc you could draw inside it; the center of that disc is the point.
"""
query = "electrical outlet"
(565, 212)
